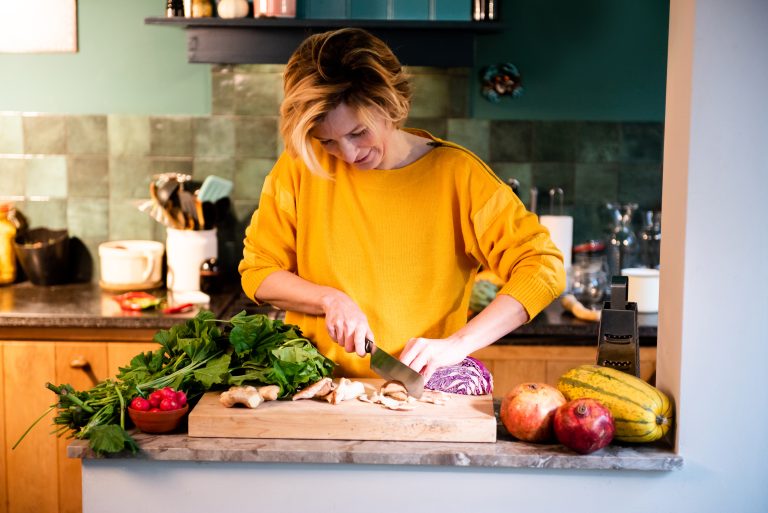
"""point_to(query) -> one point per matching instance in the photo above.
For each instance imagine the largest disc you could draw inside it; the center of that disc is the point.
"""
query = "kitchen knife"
(389, 367)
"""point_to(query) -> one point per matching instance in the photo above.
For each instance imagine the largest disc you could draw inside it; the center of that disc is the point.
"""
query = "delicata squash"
(641, 412)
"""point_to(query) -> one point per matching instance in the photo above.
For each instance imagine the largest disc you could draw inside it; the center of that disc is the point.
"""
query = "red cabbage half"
(470, 377)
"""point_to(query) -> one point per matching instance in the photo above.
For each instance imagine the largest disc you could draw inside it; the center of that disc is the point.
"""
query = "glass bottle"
(622, 247)
(202, 9)
(7, 254)
(650, 239)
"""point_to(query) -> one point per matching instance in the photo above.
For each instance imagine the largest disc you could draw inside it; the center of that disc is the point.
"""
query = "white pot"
(131, 263)
(643, 288)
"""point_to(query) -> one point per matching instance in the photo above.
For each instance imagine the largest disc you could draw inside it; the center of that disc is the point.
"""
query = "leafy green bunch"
(195, 356)
(274, 353)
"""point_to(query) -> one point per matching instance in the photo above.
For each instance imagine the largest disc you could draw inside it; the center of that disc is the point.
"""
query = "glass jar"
(210, 276)
(7, 254)
(589, 278)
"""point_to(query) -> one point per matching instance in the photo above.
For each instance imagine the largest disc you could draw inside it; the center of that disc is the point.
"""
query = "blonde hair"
(348, 66)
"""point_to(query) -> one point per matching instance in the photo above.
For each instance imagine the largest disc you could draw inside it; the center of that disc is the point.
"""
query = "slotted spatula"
(214, 188)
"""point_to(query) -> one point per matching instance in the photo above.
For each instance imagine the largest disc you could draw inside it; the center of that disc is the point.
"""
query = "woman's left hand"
(426, 355)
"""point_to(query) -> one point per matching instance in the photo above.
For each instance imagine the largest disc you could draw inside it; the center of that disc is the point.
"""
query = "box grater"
(618, 344)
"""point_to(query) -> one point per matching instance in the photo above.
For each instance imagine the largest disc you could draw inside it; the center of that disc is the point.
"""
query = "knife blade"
(389, 367)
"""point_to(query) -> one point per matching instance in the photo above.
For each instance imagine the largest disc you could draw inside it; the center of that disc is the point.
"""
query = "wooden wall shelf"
(272, 40)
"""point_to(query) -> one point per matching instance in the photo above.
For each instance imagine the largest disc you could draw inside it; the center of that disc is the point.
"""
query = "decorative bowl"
(158, 421)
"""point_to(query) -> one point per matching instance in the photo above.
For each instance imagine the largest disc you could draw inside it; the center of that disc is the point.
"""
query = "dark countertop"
(25, 305)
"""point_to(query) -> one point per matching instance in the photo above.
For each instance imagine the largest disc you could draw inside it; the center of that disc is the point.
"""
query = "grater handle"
(619, 286)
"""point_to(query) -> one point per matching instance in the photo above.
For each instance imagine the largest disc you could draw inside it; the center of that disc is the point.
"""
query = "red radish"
(151, 410)
(139, 403)
(584, 425)
(168, 393)
(169, 404)
(155, 398)
(527, 411)
(181, 398)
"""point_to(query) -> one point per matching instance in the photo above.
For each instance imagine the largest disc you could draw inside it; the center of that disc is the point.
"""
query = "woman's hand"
(346, 323)
(503, 315)
(426, 355)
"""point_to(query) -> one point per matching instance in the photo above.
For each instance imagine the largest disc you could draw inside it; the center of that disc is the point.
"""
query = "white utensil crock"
(186, 251)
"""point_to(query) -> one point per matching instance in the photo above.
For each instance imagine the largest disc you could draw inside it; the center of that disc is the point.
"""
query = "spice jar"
(209, 276)
(7, 255)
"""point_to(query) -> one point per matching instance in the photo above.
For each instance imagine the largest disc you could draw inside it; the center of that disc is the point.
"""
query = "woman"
(369, 230)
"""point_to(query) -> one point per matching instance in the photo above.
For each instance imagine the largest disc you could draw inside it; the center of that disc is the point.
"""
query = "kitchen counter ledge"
(86, 306)
(505, 453)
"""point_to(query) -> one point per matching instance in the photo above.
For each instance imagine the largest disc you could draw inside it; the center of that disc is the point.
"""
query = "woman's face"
(344, 135)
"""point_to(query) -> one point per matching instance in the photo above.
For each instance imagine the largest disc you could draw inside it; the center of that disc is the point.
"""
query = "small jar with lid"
(210, 275)
(7, 254)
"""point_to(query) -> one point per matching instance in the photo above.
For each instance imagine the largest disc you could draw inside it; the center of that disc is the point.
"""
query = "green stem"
(49, 410)
(122, 406)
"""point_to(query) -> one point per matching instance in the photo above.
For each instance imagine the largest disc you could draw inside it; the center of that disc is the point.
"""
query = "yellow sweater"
(404, 244)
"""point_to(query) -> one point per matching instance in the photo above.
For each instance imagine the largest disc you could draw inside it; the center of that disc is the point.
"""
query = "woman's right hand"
(346, 322)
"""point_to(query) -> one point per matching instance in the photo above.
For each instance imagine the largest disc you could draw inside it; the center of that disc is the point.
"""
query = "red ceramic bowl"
(158, 421)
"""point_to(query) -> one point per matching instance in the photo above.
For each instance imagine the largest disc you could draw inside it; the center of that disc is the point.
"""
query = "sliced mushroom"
(318, 389)
(394, 404)
(346, 390)
(434, 397)
(394, 389)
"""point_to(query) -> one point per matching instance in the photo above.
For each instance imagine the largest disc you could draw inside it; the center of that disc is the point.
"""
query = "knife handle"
(368, 345)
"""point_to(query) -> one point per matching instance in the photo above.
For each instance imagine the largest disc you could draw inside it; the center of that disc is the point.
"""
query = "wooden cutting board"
(462, 419)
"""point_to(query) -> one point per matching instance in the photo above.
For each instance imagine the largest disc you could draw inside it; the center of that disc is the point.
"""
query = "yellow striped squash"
(641, 412)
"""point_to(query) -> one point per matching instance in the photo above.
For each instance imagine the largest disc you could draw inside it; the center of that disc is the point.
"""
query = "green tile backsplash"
(11, 134)
(88, 173)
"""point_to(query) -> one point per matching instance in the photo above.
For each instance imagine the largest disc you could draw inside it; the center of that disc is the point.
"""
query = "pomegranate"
(528, 409)
(584, 425)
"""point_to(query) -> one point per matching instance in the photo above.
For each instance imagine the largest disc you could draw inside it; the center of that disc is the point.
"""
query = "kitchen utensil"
(181, 308)
(618, 343)
(389, 367)
(154, 209)
(189, 209)
(167, 186)
(463, 418)
(214, 188)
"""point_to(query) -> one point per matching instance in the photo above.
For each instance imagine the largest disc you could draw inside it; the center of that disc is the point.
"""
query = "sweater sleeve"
(512, 243)
(270, 238)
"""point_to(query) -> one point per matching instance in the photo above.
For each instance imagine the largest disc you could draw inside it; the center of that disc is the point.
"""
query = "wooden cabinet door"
(515, 364)
(120, 354)
(31, 469)
(3, 441)
(82, 365)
